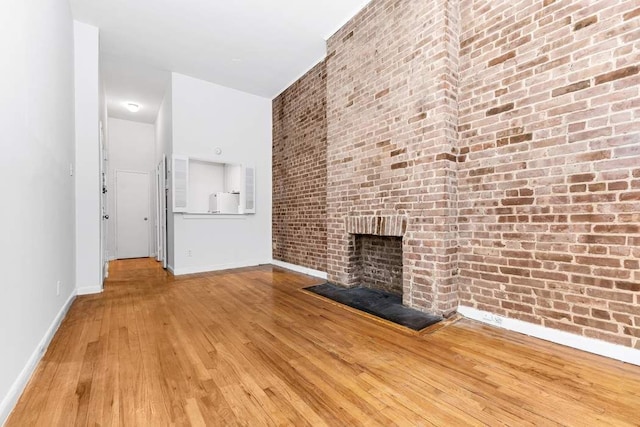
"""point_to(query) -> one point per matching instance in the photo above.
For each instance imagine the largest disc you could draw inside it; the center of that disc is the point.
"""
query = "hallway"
(247, 347)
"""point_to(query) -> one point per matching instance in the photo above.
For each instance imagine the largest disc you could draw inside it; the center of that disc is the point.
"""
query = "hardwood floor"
(248, 347)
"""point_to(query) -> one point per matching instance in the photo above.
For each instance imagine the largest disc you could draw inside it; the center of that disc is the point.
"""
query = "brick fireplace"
(381, 252)
(392, 148)
(375, 253)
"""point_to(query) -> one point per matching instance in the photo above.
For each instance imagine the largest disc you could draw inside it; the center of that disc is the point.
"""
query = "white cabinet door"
(249, 190)
(180, 183)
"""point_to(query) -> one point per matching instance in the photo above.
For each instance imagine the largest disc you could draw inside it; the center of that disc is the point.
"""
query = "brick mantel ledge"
(388, 225)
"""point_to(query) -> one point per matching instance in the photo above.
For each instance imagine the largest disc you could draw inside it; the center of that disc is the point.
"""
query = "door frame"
(158, 216)
(104, 206)
(161, 211)
(116, 208)
(161, 232)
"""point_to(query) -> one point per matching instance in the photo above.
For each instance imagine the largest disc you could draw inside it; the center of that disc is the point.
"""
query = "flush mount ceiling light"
(133, 107)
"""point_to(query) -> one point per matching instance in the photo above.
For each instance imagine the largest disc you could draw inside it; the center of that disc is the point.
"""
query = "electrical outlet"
(493, 319)
(58, 288)
(189, 253)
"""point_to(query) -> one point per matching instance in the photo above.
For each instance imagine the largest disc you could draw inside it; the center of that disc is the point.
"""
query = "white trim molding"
(214, 267)
(591, 345)
(300, 269)
(18, 386)
(89, 290)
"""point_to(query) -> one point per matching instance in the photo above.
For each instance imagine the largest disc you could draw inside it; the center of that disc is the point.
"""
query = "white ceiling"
(128, 81)
(257, 46)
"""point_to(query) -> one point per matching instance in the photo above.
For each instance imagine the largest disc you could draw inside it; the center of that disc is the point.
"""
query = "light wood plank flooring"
(248, 347)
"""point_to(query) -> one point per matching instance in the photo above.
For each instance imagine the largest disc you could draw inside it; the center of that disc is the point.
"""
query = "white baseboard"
(300, 269)
(10, 400)
(89, 290)
(171, 269)
(213, 267)
(591, 345)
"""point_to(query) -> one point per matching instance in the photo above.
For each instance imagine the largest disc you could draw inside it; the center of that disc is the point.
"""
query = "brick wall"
(391, 117)
(300, 172)
(380, 264)
(505, 136)
(549, 170)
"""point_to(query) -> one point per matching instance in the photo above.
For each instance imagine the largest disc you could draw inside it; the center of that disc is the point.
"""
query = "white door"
(158, 214)
(132, 214)
(161, 214)
(163, 210)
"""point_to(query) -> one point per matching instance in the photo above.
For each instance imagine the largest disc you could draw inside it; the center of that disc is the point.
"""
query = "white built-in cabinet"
(196, 184)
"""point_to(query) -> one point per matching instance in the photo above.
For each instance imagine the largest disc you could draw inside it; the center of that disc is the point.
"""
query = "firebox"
(378, 262)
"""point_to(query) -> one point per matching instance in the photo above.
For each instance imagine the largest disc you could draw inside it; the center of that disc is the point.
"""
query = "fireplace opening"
(378, 262)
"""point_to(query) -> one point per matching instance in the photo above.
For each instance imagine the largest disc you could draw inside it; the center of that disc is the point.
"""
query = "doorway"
(104, 206)
(132, 214)
(161, 211)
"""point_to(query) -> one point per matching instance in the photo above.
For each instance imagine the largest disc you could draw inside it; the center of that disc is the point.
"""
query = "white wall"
(204, 179)
(87, 160)
(37, 219)
(164, 144)
(206, 116)
(131, 148)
